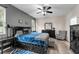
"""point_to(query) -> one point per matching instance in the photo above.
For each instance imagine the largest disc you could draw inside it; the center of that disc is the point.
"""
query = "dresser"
(50, 32)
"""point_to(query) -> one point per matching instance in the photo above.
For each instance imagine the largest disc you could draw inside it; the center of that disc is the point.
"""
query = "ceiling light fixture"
(44, 10)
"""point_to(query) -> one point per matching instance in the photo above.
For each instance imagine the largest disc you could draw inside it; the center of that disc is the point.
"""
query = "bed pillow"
(18, 33)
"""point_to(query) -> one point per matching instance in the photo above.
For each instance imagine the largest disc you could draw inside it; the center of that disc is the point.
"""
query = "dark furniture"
(14, 29)
(48, 28)
(50, 32)
(25, 30)
(5, 43)
(74, 38)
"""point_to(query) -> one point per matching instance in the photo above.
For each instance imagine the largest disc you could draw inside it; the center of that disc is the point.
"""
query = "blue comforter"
(27, 37)
(30, 38)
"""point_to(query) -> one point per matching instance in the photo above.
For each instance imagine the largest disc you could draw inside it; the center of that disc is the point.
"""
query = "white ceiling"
(58, 9)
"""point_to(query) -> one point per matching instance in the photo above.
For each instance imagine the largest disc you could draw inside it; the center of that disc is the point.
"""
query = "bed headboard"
(19, 28)
(23, 29)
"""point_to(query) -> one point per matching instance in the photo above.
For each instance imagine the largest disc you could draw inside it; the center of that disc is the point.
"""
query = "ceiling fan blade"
(38, 12)
(48, 8)
(49, 11)
(39, 8)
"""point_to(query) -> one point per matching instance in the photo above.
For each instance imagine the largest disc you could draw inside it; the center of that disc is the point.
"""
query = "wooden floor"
(60, 47)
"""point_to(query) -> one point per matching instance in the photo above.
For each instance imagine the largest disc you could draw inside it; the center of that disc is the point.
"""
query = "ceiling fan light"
(44, 13)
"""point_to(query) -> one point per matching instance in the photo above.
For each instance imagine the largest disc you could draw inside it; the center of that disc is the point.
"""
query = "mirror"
(48, 26)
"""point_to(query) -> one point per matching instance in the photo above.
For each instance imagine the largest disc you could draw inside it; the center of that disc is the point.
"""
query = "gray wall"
(13, 15)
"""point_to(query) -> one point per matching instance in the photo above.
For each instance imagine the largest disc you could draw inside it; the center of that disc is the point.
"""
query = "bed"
(34, 41)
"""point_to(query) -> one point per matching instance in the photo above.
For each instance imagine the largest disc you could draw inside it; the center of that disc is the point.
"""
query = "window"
(2, 20)
(33, 25)
(73, 21)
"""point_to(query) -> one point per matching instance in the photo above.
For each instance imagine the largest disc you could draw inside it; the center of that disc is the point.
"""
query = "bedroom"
(41, 29)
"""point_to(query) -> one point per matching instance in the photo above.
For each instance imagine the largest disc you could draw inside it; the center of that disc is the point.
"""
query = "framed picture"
(48, 26)
(20, 21)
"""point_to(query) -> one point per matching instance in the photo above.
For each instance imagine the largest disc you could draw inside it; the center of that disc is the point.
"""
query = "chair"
(62, 35)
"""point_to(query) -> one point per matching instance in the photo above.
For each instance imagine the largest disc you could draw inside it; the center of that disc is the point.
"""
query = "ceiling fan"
(44, 10)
